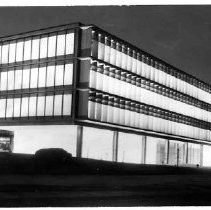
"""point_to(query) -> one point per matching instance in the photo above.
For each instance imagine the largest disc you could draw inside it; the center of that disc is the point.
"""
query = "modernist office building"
(97, 83)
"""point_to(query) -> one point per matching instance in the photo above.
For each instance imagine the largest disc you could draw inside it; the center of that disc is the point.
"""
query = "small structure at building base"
(6, 141)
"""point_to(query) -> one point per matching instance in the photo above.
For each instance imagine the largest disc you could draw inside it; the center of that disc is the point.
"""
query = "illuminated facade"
(81, 75)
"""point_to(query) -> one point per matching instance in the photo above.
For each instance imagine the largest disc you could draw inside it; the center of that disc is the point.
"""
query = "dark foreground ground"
(26, 182)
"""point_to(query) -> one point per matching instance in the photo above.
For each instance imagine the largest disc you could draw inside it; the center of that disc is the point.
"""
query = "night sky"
(180, 35)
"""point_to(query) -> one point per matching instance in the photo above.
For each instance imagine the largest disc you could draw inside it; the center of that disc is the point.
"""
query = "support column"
(115, 146)
(11, 144)
(187, 153)
(167, 153)
(79, 144)
(144, 149)
(201, 155)
(177, 154)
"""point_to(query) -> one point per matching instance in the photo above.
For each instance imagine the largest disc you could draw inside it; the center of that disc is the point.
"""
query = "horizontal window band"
(67, 28)
(189, 119)
(104, 84)
(159, 116)
(36, 91)
(39, 106)
(198, 103)
(51, 61)
(39, 120)
(123, 128)
(174, 70)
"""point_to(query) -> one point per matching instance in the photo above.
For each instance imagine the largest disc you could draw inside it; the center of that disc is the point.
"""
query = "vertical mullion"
(64, 69)
(24, 41)
(8, 53)
(46, 67)
(14, 79)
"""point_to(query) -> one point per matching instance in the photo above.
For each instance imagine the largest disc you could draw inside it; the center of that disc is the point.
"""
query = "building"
(6, 141)
(82, 76)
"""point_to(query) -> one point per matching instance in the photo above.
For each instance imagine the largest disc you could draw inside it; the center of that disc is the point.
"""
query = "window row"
(36, 48)
(116, 115)
(54, 105)
(116, 78)
(116, 101)
(36, 77)
(144, 94)
(124, 57)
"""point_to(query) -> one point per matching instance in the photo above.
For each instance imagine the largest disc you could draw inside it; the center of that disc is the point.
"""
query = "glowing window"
(17, 106)
(51, 46)
(49, 106)
(40, 105)
(68, 74)
(67, 100)
(59, 75)
(60, 44)
(34, 77)
(70, 43)
(58, 105)
(24, 107)
(43, 47)
(27, 50)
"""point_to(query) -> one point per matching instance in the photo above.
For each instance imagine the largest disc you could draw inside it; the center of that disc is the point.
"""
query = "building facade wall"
(76, 74)
(131, 88)
(36, 78)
